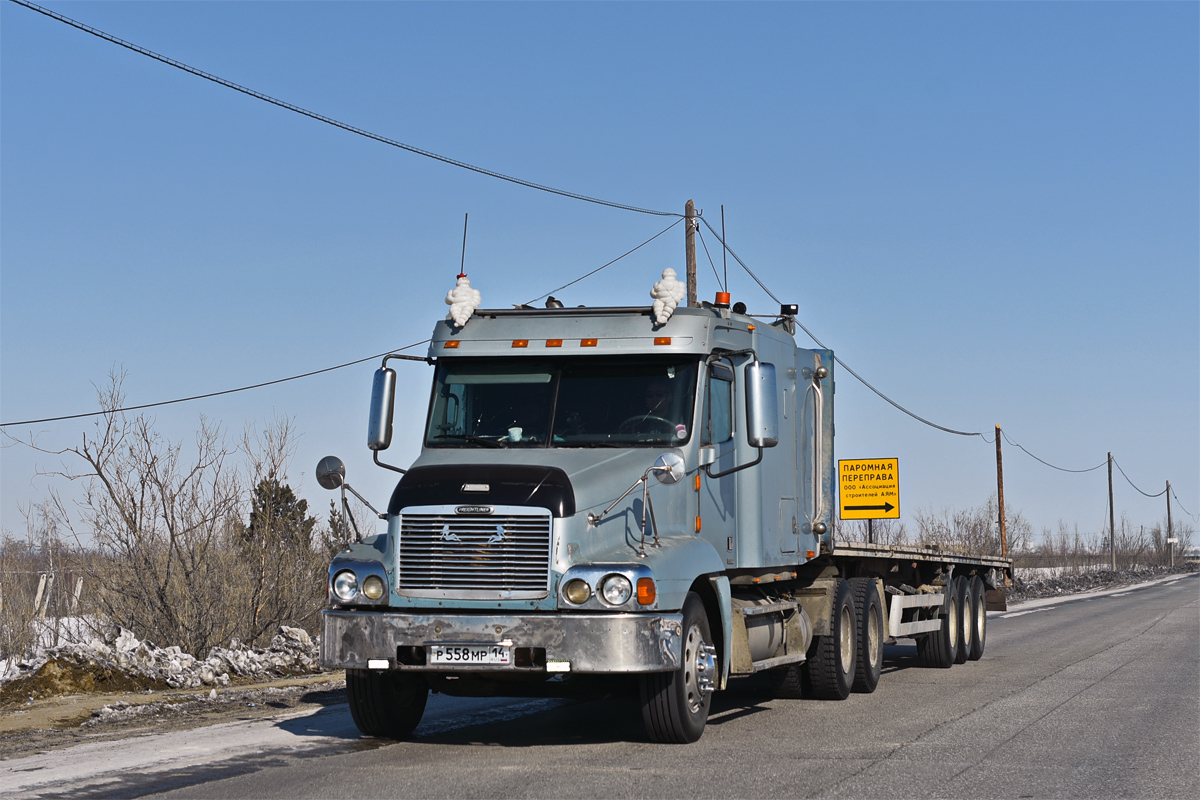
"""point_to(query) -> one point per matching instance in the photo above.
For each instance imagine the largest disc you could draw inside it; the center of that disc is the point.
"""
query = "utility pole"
(1112, 525)
(1000, 495)
(689, 238)
(1170, 538)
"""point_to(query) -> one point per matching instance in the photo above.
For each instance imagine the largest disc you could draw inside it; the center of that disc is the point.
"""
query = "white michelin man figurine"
(667, 293)
(462, 300)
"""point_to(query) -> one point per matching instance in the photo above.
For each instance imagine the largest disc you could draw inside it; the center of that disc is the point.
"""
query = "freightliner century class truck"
(603, 503)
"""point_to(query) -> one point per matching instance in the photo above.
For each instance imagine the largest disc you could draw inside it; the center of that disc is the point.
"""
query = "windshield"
(595, 402)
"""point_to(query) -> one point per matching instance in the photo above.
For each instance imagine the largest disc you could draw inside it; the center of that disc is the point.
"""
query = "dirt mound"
(69, 673)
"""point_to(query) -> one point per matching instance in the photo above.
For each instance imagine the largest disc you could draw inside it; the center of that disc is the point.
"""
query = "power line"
(738, 259)
(209, 394)
(1134, 485)
(716, 274)
(1184, 510)
(329, 120)
(609, 264)
(1047, 463)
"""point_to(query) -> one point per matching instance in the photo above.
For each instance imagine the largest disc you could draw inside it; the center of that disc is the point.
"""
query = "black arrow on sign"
(884, 508)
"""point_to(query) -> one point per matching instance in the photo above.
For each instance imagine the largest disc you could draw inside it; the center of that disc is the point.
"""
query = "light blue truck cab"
(607, 504)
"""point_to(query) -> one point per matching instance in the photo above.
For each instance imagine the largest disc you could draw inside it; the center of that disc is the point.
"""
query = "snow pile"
(119, 657)
(463, 300)
(667, 294)
(1028, 588)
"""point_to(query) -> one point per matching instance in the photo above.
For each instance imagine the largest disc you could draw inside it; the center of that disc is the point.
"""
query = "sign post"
(869, 488)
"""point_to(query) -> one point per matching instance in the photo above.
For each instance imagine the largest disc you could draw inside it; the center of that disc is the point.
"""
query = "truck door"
(717, 506)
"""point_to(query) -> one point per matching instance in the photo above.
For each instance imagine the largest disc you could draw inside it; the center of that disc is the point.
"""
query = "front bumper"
(587, 643)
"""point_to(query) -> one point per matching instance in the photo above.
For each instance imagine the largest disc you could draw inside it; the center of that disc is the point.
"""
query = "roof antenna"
(724, 250)
(462, 268)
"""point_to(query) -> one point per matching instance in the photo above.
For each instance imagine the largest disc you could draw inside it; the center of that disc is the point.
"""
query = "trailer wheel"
(831, 658)
(978, 618)
(869, 621)
(386, 704)
(962, 596)
(675, 704)
(938, 649)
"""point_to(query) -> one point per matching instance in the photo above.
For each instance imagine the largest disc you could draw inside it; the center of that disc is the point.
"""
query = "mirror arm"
(379, 463)
(364, 500)
(708, 469)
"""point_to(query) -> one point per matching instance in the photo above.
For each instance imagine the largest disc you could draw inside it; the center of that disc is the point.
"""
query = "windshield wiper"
(470, 438)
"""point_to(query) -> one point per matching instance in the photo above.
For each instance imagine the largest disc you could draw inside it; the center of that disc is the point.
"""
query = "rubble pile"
(120, 660)
(1090, 581)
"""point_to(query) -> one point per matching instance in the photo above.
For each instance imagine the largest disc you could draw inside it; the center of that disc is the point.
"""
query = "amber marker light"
(697, 482)
(554, 343)
(697, 524)
(662, 340)
(520, 343)
(588, 342)
(810, 553)
(749, 327)
(646, 591)
(450, 345)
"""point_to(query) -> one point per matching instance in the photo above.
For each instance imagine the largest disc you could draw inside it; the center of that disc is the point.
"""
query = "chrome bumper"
(589, 643)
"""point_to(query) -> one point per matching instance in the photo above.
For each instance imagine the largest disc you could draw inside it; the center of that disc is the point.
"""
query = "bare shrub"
(973, 530)
(880, 531)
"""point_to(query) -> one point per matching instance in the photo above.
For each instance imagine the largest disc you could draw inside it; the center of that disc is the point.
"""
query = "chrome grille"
(449, 555)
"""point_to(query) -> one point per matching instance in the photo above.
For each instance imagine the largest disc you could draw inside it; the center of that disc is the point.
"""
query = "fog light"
(616, 590)
(345, 585)
(373, 587)
(577, 591)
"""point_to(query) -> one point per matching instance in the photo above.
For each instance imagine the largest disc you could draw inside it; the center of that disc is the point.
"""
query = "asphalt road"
(1091, 697)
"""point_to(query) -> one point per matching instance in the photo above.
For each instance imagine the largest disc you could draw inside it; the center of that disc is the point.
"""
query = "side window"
(718, 403)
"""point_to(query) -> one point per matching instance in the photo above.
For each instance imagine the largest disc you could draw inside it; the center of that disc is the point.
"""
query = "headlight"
(577, 591)
(373, 587)
(616, 590)
(345, 585)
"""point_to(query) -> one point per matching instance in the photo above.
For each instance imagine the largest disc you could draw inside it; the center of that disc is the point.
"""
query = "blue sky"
(989, 210)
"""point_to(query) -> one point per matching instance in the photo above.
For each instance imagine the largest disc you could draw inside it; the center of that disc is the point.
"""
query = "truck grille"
(447, 555)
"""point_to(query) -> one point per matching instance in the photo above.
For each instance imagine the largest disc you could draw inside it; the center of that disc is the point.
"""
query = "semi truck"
(608, 502)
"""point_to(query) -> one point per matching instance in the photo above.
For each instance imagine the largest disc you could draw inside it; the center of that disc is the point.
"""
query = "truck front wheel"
(386, 704)
(675, 704)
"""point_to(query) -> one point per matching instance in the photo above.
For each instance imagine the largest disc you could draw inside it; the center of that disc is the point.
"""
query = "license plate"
(470, 654)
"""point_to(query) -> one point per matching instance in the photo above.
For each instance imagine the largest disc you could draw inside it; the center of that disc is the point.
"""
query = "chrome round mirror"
(668, 469)
(331, 472)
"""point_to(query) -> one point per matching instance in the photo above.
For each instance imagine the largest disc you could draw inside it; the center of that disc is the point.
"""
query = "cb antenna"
(462, 268)
(724, 250)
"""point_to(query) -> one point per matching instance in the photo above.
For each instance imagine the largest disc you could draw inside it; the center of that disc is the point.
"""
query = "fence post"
(46, 602)
(37, 599)
(75, 597)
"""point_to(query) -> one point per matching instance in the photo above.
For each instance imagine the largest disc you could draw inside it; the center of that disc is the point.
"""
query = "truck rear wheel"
(386, 704)
(978, 597)
(938, 649)
(675, 704)
(868, 610)
(962, 594)
(831, 659)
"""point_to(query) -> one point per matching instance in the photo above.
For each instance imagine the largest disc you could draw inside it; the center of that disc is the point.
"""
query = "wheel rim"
(699, 668)
(980, 620)
(874, 639)
(952, 619)
(846, 639)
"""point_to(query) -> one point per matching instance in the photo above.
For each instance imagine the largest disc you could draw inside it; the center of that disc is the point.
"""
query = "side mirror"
(762, 405)
(668, 469)
(383, 401)
(331, 472)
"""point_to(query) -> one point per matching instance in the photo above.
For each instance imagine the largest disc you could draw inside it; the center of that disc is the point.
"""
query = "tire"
(962, 596)
(868, 608)
(978, 618)
(938, 649)
(789, 682)
(831, 659)
(386, 704)
(675, 704)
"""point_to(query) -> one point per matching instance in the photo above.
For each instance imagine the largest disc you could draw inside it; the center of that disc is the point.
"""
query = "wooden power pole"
(1170, 544)
(1000, 494)
(689, 238)
(1112, 525)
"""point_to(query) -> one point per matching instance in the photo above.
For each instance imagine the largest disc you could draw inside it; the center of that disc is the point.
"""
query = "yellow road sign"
(869, 488)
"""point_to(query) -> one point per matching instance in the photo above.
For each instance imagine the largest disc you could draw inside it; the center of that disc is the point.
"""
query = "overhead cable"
(716, 274)
(209, 394)
(1176, 496)
(609, 264)
(1047, 463)
(199, 73)
(1134, 485)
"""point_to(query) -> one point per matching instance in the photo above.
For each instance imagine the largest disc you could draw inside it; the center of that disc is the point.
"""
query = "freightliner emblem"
(473, 510)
